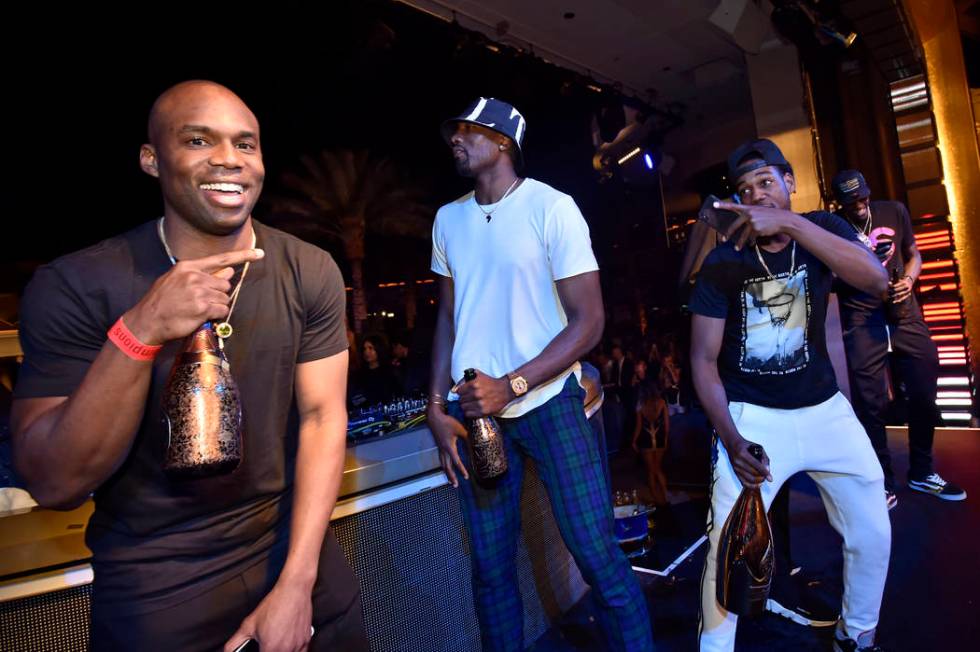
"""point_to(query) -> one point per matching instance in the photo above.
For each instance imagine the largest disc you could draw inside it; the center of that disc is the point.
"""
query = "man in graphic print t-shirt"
(761, 369)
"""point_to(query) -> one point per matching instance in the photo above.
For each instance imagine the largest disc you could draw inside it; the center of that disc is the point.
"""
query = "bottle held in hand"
(203, 410)
(896, 312)
(745, 553)
(486, 443)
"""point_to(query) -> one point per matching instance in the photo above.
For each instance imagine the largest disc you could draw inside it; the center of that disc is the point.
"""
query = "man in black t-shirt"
(762, 372)
(210, 562)
(879, 330)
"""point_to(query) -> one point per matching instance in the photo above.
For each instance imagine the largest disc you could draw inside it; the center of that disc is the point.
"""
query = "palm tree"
(341, 194)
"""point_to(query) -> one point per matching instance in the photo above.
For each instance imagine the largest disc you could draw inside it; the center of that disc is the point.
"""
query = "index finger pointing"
(228, 259)
(731, 206)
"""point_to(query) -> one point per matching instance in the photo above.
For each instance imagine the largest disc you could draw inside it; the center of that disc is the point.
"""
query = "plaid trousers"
(558, 438)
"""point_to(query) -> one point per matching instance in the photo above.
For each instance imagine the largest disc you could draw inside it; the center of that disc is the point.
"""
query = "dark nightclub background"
(371, 77)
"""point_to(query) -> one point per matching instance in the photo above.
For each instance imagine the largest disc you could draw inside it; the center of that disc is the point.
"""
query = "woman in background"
(375, 381)
(650, 437)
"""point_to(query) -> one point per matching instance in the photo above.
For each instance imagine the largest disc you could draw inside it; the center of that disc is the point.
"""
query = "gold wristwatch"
(517, 384)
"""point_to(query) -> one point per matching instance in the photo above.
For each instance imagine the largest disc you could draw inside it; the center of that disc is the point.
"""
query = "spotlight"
(629, 155)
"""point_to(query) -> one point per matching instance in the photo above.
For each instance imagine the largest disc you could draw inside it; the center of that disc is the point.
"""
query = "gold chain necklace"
(224, 329)
(792, 260)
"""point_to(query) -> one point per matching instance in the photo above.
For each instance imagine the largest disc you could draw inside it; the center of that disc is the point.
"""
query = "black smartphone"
(719, 219)
(883, 249)
(251, 645)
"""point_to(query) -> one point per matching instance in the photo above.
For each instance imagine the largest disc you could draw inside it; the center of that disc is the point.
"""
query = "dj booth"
(398, 521)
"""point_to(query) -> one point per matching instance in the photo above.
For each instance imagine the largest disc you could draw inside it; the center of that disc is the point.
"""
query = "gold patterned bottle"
(745, 553)
(203, 410)
(486, 443)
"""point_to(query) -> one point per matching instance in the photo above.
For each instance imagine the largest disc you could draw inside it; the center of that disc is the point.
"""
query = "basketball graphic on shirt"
(775, 314)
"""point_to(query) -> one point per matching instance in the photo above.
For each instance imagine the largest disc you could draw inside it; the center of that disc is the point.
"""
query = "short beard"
(463, 167)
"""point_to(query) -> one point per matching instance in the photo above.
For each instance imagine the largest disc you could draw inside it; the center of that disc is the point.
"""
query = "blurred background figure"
(409, 369)
(650, 436)
(375, 381)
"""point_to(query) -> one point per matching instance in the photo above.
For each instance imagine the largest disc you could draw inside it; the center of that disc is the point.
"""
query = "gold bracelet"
(436, 399)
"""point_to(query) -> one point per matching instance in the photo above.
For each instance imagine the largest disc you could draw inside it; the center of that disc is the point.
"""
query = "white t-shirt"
(504, 271)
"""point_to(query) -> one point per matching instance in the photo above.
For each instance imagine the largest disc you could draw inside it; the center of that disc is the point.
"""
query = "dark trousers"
(915, 365)
(207, 621)
(599, 430)
(562, 445)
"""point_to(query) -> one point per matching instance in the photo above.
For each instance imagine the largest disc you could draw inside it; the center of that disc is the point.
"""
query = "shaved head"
(204, 148)
(194, 90)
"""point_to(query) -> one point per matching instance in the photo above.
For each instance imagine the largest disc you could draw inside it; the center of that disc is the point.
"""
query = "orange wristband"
(129, 344)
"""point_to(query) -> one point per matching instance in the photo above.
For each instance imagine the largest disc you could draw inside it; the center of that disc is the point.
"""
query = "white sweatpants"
(828, 442)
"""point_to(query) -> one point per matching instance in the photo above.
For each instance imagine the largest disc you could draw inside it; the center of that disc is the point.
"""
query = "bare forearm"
(713, 397)
(913, 265)
(569, 346)
(442, 350)
(66, 452)
(319, 468)
(581, 299)
(853, 263)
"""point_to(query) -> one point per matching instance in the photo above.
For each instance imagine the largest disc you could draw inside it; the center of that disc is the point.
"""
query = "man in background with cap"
(762, 372)
(879, 330)
(520, 302)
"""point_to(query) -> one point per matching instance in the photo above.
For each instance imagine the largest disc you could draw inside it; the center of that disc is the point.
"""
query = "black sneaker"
(864, 643)
(891, 499)
(797, 598)
(935, 485)
(850, 645)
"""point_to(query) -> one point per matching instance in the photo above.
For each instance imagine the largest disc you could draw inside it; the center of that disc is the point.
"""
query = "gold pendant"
(224, 330)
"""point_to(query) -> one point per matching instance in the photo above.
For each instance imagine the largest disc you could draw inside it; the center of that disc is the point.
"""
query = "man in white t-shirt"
(520, 303)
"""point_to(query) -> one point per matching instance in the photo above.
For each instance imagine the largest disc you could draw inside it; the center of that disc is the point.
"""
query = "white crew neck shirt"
(506, 307)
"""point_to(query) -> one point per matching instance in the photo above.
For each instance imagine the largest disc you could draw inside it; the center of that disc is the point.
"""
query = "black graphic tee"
(890, 224)
(774, 350)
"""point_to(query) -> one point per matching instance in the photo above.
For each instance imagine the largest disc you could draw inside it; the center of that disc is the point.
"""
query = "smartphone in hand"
(717, 218)
(251, 645)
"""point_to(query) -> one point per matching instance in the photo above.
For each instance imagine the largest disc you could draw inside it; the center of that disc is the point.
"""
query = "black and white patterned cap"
(493, 114)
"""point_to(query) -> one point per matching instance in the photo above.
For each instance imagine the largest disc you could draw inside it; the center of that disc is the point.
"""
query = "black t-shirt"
(157, 541)
(774, 349)
(890, 223)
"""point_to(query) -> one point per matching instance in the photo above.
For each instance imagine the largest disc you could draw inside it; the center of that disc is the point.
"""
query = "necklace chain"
(224, 329)
(496, 204)
(866, 230)
(792, 260)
